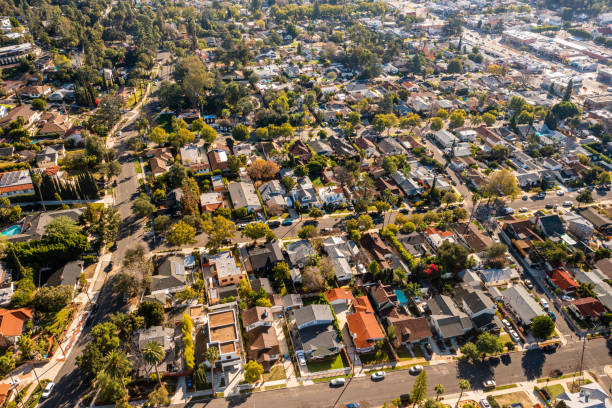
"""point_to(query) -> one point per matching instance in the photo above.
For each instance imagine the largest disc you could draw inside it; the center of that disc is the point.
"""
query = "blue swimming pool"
(401, 297)
(12, 230)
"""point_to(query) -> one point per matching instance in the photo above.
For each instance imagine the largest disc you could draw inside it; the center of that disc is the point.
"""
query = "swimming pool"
(401, 297)
(12, 230)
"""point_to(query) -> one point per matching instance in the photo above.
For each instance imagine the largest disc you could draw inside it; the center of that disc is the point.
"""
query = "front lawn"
(378, 356)
(403, 353)
(513, 398)
(333, 363)
(554, 390)
(277, 372)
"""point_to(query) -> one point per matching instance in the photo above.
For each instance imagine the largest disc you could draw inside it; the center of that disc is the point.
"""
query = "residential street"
(523, 366)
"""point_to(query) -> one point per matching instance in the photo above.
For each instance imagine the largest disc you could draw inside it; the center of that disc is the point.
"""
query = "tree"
(564, 110)
(62, 225)
(181, 233)
(455, 66)
(382, 206)
(499, 152)
(413, 289)
(158, 135)
(487, 343)
(542, 327)
(153, 354)
(495, 251)
(257, 230)
(212, 355)
(389, 165)
(52, 299)
(315, 212)
(152, 312)
(218, 229)
(162, 223)
(288, 182)
(39, 104)
(568, 91)
(457, 118)
(585, 196)
(439, 390)
(159, 397)
(7, 364)
(37, 180)
(436, 124)
(308, 231)
(502, 183)
(419, 390)
(470, 351)
(384, 121)
(464, 385)
(586, 290)
(103, 340)
(142, 206)
(312, 279)
(25, 345)
(488, 119)
(551, 120)
(253, 371)
(208, 134)
(117, 366)
(452, 257)
(240, 132)
(281, 272)
(263, 170)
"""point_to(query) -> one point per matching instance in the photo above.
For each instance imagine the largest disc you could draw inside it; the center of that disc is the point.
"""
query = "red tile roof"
(364, 328)
(362, 304)
(339, 294)
(589, 306)
(12, 321)
(434, 231)
(562, 280)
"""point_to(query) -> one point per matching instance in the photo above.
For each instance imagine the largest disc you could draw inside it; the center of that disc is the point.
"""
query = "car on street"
(274, 224)
(541, 195)
(489, 384)
(523, 209)
(508, 211)
(552, 316)
(544, 303)
(287, 221)
(506, 322)
(560, 193)
(416, 369)
(528, 283)
(484, 403)
(48, 390)
(548, 206)
(353, 405)
(378, 376)
(525, 198)
(567, 204)
(337, 382)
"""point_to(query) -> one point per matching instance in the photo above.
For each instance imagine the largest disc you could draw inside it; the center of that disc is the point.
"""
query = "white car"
(506, 322)
(48, 389)
(378, 375)
(560, 193)
(523, 209)
(416, 369)
(337, 382)
(489, 384)
(567, 204)
(544, 303)
(484, 403)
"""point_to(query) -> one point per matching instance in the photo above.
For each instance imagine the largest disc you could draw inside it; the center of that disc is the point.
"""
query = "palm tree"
(464, 385)
(153, 354)
(37, 180)
(439, 390)
(212, 355)
(117, 366)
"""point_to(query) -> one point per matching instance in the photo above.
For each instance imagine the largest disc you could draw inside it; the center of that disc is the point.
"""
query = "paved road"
(521, 367)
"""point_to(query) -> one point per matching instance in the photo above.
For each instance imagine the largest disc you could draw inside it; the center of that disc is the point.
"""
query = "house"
(221, 332)
(35, 91)
(217, 158)
(316, 333)
(5, 393)
(223, 266)
(262, 343)
(341, 147)
(264, 258)
(365, 331)
(273, 195)
(579, 226)
(522, 305)
(587, 308)
(410, 187)
(446, 318)
(550, 225)
(16, 183)
(475, 239)
(299, 252)
(243, 195)
(340, 247)
(605, 266)
(170, 276)
(159, 160)
(305, 193)
(12, 323)
(437, 237)
(210, 202)
(414, 243)
(54, 124)
(445, 139)
(67, 275)
(292, 301)
(362, 304)
(409, 329)
(163, 336)
(258, 284)
(25, 111)
(384, 298)
(301, 151)
(367, 146)
(478, 306)
(321, 147)
(390, 147)
(590, 396)
(380, 251)
(498, 277)
(602, 223)
(598, 280)
(561, 280)
(339, 296)
(192, 157)
(331, 195)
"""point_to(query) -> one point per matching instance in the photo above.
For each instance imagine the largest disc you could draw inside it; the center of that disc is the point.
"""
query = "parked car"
(301, 358)
(484, 403)
(287, 221)
(541, 195)
(567, 204)
(560, 193)
(489, 384)
(508, 211)
(337, 382)
(528, 283)
(48, 390)
(523, 209)
(353, 405)
(274, 224)
(506, 322)
(544, 303)
(416, 369)
(552, 316)
(548, 206)
(378, 376)
(525, 198)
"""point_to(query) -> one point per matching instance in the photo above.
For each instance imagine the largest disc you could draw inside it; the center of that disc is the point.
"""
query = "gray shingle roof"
(310, 313)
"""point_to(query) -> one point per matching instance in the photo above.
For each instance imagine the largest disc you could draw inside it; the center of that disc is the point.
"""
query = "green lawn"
(555, 390)
(375, 357)
(277, 372)
(332, 363)
(403, 354)
(138, 166)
